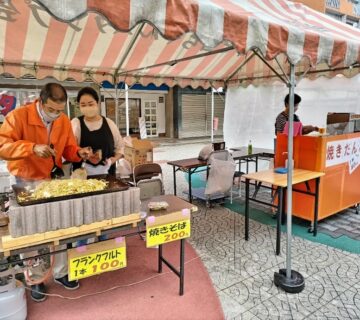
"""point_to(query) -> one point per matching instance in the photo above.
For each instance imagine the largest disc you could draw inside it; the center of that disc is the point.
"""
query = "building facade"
(347, 11)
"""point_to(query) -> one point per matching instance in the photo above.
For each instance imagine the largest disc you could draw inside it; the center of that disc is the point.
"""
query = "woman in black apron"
(100, 133)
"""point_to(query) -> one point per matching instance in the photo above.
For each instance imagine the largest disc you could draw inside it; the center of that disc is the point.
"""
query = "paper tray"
(113, 186)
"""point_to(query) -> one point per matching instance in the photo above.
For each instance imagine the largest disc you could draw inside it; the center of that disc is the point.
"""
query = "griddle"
(114, 185)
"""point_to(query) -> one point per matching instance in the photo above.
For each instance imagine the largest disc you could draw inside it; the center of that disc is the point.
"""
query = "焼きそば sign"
(89, 260)
(343, 151)
(167, 228)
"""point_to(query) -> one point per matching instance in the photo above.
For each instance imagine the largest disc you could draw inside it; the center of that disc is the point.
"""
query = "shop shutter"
(193, 115)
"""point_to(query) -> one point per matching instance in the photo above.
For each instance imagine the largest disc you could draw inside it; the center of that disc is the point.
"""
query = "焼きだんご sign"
(343, 151)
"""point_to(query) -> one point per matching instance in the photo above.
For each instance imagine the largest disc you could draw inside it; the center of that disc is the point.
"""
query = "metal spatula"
(56, 172)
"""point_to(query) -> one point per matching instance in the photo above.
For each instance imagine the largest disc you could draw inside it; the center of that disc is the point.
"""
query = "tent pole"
(127, 108)
(290, 170)
(290, 280)
(212, 114)
(116, 105)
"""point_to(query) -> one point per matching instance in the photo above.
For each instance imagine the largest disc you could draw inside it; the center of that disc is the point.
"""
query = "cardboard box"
(138, 152)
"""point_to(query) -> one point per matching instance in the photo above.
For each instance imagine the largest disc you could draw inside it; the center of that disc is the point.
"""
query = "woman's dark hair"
(54, 91)
(297, 99)
(90, 91)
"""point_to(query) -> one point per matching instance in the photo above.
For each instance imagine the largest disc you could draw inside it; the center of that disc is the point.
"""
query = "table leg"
(160, 259)
(247, 182)
(182, 259)
(317, 183)
(190, 193)
(283, 215)
(278, 220)
(174, 175)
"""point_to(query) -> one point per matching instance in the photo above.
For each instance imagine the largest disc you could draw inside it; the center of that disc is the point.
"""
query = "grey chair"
(149, 178)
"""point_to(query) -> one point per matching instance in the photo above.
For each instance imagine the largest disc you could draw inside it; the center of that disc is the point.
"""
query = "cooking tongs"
(56, 172)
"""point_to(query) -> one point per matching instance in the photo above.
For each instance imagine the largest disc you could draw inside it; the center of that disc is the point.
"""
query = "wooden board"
(278, 179)
(9, 243)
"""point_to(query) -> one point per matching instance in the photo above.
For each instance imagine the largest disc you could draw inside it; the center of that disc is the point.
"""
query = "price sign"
(86, 261)
(172, 227)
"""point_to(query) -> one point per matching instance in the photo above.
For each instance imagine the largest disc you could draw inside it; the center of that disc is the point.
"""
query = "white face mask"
(49, 116)
(89, 112)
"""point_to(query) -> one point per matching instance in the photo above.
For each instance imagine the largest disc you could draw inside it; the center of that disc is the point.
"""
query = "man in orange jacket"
(25, 139)
(28, 132)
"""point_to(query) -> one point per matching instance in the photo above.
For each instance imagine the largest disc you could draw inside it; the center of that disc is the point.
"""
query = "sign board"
(89, 260)
(167, 228)
(343, 151)
(216, 123)
(354, 116)
(142, 126)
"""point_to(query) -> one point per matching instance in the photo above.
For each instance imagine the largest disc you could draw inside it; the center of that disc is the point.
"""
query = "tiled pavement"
(242, 271)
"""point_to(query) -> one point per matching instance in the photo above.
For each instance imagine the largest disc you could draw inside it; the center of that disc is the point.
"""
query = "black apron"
(98, 139)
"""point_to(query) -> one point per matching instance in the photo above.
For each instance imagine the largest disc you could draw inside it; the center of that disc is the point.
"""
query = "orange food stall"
(338, 157)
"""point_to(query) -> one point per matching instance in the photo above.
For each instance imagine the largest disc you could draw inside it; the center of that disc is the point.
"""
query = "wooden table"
(190, 166)
(175, 205)
(280, 181)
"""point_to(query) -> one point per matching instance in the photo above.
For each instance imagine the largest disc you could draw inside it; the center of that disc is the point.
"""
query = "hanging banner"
(343, 151)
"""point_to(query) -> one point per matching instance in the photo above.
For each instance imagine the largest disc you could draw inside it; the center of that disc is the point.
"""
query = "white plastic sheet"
(250, 112)
(221, 176)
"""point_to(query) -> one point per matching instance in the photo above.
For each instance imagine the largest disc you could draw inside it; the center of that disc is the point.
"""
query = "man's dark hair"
(297, 99)
(90, 91)
(54, 91)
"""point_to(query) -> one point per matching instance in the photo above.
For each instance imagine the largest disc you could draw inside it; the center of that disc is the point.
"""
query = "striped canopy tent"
(177, 42)
(207, 43)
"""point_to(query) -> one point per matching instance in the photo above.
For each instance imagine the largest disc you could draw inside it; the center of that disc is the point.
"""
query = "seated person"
(283, 117)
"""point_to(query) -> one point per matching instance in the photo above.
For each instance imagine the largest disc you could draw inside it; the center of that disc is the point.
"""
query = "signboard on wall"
(343, 151)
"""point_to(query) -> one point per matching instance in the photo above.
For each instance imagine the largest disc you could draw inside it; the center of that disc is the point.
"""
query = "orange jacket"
(21, 130)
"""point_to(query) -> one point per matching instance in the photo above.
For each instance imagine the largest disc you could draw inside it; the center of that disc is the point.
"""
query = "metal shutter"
(193, 112)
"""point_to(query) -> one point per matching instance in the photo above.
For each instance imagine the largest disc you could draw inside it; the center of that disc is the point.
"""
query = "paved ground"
(242, 271)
